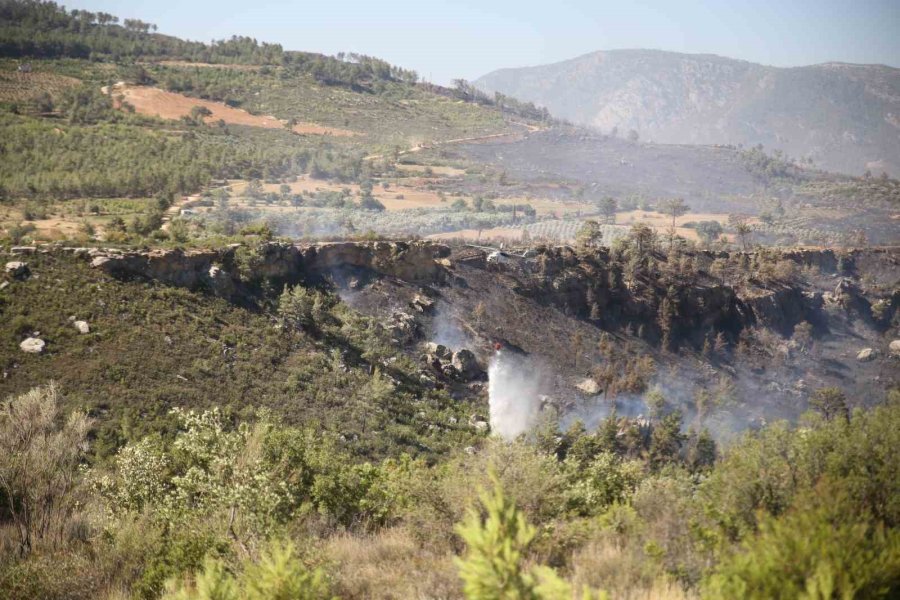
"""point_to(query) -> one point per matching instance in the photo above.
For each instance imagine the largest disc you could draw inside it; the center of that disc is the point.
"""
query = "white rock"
(17, 268)
(82, 326)
(589, 386)
(99, 261)
(866, 354)
(894, 347)
(32, 345)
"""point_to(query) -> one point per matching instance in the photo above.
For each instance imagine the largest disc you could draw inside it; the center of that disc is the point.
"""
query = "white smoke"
(513, 388)
(447, 330)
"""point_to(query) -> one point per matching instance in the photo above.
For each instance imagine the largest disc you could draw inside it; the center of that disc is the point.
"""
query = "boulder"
(422, 303)
(32, 345)
(894, 348)
(439, 350)
(17, 268)
(479, 422)
(465, 362)
(82, 326)
(589, 386)
(403, 327)
(866, 354)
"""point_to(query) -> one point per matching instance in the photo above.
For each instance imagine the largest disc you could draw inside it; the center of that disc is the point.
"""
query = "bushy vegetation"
(223, 508)
(52, 160)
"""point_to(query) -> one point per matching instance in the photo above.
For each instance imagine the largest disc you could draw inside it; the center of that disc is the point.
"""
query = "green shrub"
(605, 480)
(277, 575)
(494, 565)
(823, 548)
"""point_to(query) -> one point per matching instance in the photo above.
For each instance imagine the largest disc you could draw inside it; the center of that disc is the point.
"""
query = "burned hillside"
(740, 338)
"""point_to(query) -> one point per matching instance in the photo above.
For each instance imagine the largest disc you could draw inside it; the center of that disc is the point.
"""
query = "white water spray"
(513, 391)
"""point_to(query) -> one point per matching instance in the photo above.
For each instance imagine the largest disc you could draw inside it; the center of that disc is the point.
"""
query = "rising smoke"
(514, 389)
(447, 331)
(520, 388)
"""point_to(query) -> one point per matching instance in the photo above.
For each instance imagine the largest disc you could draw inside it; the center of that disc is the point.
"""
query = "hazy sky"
(444, 39)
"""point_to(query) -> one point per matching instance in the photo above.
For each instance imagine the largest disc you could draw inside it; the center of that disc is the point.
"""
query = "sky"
(445, 40)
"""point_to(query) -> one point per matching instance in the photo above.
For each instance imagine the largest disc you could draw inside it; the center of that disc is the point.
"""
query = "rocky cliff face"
(845, 117)
(592, 287)
(587, 286)
(226, 270)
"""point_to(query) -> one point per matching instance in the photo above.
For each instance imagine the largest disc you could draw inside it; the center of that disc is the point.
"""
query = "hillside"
(155, 138)
(629, 319)
(356, 396)
(278, 325)
(842, 116)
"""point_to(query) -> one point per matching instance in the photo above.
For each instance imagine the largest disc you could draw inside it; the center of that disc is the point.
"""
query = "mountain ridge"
(842, 116)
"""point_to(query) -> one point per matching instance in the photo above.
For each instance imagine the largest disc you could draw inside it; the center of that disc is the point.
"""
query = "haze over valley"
(837, 116)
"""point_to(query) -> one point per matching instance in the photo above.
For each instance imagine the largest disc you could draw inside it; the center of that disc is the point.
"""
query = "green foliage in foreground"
(277, 575)
(823, 547)
(201, 516)
(493, 567)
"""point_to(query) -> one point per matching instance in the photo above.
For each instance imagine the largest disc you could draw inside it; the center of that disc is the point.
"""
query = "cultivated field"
(169, 105)
(406, 194)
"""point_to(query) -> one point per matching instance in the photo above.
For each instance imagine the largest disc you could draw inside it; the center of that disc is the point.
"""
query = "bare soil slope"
(169, 105)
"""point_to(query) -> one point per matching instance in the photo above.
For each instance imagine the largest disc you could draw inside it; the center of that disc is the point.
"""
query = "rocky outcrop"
(466, 364)
(225, 271)
(780, 309)
(403, 327)
(653, 304)
(461, 365)
(440, 351)
(180, 268)
(410, 261)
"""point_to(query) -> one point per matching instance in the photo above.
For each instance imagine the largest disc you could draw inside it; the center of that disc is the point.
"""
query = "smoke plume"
(514, 391)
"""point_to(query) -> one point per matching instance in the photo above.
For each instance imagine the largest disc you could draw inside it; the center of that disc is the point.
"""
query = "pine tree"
(493, 567)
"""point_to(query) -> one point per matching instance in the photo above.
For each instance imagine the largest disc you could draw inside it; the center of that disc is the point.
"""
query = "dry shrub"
(9, 541)
(39, 465)
(528, 476)
(390, 564)
(670, 517)
(126, 550)
(617, 568)
(623, 571)
(50, 576)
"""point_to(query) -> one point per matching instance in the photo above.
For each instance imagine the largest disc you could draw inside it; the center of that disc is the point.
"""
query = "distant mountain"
(844, 117)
